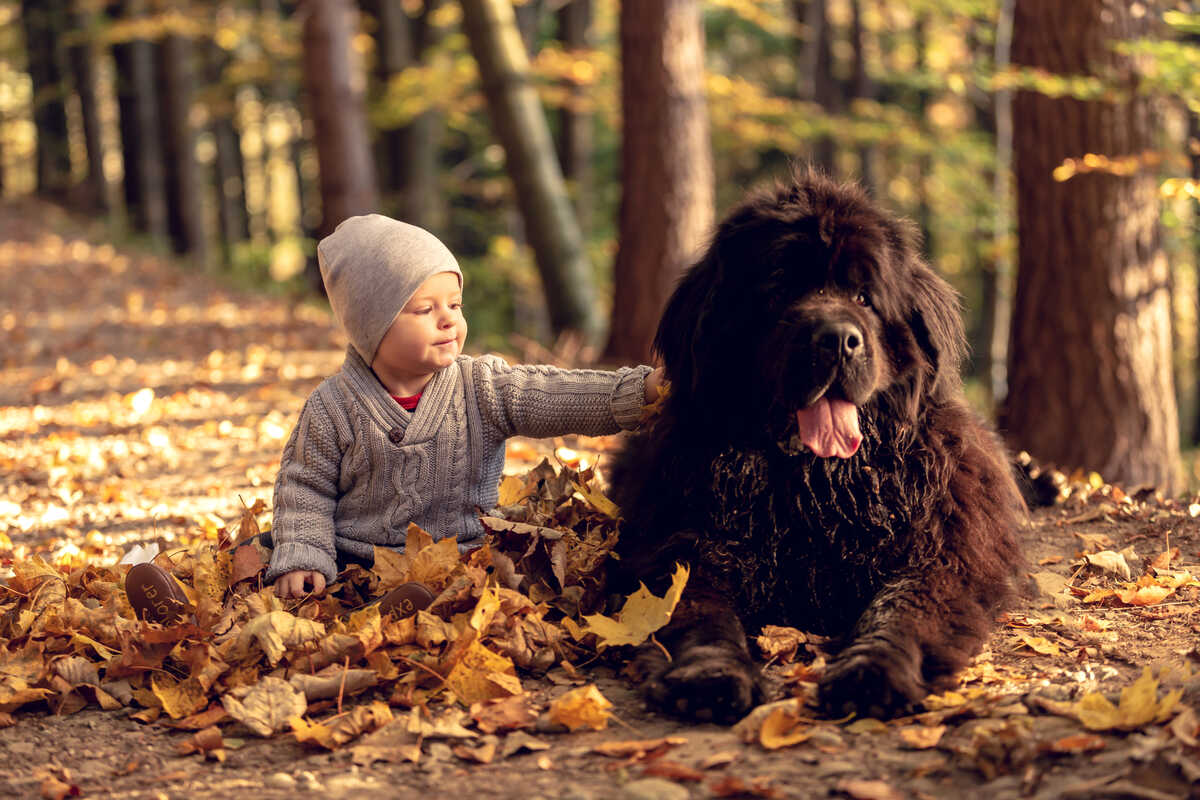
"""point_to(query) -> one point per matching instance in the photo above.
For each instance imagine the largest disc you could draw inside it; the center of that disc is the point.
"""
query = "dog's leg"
(916, 634)
(701, 667)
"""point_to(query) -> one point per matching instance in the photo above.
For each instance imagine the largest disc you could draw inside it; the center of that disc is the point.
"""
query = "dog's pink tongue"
(829, 427)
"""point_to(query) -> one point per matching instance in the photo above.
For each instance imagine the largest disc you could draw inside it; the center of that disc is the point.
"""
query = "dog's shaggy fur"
(815, 463)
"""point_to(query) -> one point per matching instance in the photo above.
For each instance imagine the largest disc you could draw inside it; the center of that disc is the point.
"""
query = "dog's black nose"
(843, 339)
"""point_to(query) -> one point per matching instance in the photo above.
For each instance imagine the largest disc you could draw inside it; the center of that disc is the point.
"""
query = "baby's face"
(427, 334)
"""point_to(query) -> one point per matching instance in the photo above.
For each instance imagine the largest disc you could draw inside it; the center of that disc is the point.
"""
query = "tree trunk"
(529, 21)
(574, 125)
(924, 160)
(520, 124)
(410, 152)
(141, 146)
(860, 89)
(666, 166)
(815, 84)
(1090, 379)
(1194, 153)
(229, 173)
(997, 268)
(347, 178)
(45, 22)
(185, 214)
(82, 57)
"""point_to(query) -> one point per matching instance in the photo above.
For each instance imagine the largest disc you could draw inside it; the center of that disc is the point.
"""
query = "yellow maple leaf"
(642, 614)
(268, 706)
(277, 631)
(179, 698)
(1039, 644)
(334, 733)
(473, 678)
(1139, 705)
(579, 708)
(783, 728)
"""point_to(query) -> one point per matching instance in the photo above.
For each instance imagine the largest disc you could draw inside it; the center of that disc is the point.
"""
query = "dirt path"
(139, 403)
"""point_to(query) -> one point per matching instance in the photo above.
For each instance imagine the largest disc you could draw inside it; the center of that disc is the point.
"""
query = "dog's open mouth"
(829, 427)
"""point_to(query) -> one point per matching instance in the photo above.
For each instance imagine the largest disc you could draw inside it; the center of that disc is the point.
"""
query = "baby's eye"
(423, 310)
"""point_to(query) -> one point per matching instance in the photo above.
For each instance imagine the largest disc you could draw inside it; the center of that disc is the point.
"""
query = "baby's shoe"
(406, 599)
(154, 594)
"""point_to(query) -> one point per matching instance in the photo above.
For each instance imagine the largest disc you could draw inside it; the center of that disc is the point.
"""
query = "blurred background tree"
(576, 169)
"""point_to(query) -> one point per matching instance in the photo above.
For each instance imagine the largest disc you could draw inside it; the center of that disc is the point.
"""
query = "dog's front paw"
(708, 683)
(870, 685)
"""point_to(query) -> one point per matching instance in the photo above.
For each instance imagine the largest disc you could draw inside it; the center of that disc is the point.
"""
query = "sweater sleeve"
(542, 401)
(306, 492)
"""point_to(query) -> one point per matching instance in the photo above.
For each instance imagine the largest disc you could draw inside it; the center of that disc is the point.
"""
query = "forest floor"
(140, 403)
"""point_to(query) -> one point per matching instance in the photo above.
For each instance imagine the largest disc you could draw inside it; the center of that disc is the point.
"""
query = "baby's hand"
(291, 584)
(653, 385)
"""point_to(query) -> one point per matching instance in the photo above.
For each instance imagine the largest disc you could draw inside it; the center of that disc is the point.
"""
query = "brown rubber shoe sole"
(406, 600)
(154, 594)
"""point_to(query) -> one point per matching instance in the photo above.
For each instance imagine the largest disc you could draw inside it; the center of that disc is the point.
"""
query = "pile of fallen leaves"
(69, 638)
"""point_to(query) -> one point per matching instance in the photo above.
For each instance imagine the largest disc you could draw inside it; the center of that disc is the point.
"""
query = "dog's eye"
(863, 299)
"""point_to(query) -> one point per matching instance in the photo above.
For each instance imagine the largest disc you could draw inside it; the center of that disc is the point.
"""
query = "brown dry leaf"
(390, 743)
(268, 706)
(642, 614)
(276, 632)
(335, 732)
(433, 565)
(721, 759)
(391, 567)
(869, 790)
(483, 754)
(780, 642)
(248, 525)
(636, 748)
(247, 563)
(1077, 744)
(579, 708)
(1186, 727)
(447, 726)
(921, 737)
(1163, 560)
(7, 720)
(1039, 644)
(733, 786)
(504, 714)
(334, 681)
(672, 771)
(784, 728)
(1109, 561)
(207, 741)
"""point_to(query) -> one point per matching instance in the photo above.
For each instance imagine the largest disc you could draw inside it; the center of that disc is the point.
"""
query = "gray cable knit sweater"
(358, 467)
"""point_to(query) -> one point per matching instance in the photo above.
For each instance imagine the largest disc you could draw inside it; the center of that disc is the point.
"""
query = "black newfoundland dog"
(815, 463)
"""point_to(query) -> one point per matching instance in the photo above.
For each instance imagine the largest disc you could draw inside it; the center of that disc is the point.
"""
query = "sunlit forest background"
(195, 128)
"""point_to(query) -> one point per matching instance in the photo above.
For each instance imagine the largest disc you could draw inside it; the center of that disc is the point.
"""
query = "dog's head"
(810, 304)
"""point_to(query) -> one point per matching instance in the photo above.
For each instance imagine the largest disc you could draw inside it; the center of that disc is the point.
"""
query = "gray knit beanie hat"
(372, 266)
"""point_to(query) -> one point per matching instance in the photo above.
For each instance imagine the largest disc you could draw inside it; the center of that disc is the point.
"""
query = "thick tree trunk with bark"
(185, 214)
(666, 166)
(574, 125)
(520, 124)
(347, 176)
(814, 59)
(44, 23)
(409, 154)
(229, 169)
(82, 58)
(141, 146)
(1090, 379)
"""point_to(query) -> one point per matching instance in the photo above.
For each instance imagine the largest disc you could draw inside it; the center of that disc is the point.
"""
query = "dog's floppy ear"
(937, 324)
(680, 339)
